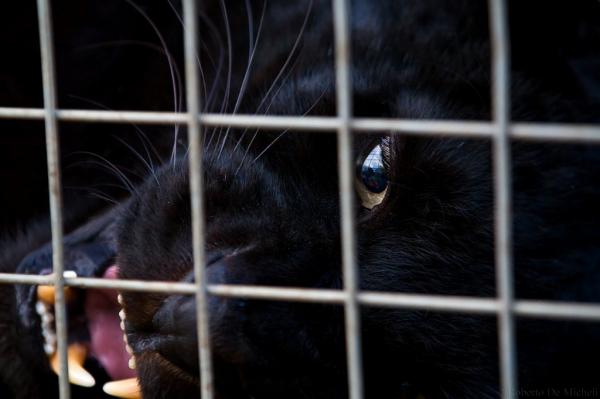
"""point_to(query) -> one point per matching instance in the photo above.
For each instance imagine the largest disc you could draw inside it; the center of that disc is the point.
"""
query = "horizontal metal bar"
(14, 278)
(463, 304)
(168, 287)
(273, 122)
(555, 132)
(525, 131)
(475, 129)
(279, 293)
(76, 115)
(430, 302)
(557, 310)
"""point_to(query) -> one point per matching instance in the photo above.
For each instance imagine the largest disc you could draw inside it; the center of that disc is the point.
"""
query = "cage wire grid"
(500, 131)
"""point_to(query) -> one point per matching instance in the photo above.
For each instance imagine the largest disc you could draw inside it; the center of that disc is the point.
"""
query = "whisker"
(140, 133)
(287, 130)
(95, 193)
(149, 165)
(290, 55)
(180, 19)
(225, 101)
(108, 165)
(251, 51)
(176, 96)
(277, 78)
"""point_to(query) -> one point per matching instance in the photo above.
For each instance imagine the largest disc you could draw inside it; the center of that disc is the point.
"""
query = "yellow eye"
(372, 179)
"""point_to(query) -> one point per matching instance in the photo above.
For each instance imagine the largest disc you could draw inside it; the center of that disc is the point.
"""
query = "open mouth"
(96, 331)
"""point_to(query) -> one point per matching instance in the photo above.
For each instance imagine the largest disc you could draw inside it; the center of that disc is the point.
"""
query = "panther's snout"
(173, 329)
(175, 324)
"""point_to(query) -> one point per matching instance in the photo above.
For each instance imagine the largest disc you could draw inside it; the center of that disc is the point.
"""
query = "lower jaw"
(105, 344)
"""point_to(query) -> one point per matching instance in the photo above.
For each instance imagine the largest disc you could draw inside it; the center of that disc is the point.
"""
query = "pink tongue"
(102, 312)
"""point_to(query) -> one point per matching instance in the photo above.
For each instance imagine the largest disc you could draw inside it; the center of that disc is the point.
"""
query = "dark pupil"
(373, 172)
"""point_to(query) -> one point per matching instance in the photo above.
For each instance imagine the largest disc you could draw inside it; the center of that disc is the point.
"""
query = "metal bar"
(15, 278)
(279, 293)
(558, 310)
(54, 188)
(443, 303)
(133, 285)
(197, 194)
(475, 129)
(588, 134)
(502, 195)
(343, 71)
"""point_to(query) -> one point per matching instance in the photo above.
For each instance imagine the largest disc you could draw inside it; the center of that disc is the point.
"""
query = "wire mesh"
(499, 130)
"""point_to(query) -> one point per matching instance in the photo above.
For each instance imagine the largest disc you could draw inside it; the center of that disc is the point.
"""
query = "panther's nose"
(175, 321)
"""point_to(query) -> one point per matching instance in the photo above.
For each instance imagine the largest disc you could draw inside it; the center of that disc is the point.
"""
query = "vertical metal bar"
(196, 189)
(54, 186)
(341, 19)
(502, 187)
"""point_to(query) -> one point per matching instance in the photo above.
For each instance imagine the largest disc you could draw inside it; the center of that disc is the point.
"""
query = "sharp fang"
(46, 295)
(126, 389)
(77, 374)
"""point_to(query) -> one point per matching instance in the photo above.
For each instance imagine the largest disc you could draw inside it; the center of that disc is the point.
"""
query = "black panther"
(424, 212)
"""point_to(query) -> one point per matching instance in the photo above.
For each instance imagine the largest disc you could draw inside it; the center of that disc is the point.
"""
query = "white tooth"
(131, 363)
(122, 314)
(69, 274)
(47, 318)
(48, 349)
(126, 389)
(128, 349)
(77, 374)
(120, 299)
(49, 336)
(122, 325)
(40, 308)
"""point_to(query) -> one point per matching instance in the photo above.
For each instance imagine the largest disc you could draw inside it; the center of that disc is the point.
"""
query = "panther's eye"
(372, 177)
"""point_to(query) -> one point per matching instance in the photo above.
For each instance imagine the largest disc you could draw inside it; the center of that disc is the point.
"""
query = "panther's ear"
(87, 250)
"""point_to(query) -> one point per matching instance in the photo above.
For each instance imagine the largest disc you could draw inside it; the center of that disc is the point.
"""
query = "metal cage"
(500, 131)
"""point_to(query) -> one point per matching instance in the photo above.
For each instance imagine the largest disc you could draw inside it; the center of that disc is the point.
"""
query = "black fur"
(273, 216)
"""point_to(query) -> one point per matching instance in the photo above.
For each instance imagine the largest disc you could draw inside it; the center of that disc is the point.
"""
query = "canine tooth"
(122, 314)
(46, 295)
(120, 299)
(131, 363)
(126, 389)
(77, 374)
(122, 325)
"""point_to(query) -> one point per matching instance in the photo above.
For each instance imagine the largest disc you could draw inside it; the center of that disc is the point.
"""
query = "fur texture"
(272, 214)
